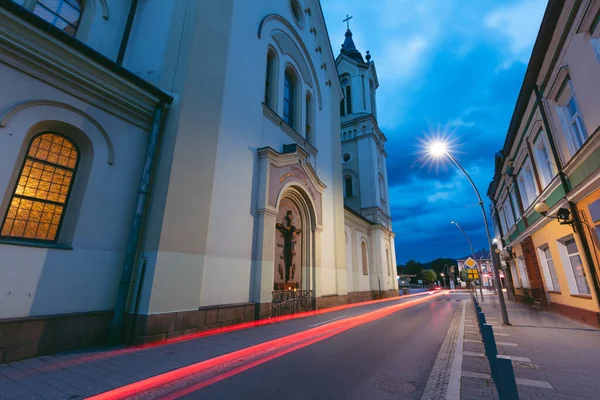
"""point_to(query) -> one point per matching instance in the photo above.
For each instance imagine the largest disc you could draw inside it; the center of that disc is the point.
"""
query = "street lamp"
(443, 280)
(439, 149)
(473, 255)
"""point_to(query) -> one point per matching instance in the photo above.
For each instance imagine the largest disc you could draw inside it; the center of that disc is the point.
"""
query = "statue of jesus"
(289, 232)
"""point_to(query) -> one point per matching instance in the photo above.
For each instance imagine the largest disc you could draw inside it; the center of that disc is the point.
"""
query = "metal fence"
(287, 302)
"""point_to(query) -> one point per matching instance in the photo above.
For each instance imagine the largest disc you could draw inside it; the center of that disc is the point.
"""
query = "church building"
(172, 167)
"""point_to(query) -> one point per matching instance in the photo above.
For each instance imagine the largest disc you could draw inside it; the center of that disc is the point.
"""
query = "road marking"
(500, 334)
(520, 381)
(513, 358)
(507, 344)
(472, 341)
(453, 392)
(328, 321)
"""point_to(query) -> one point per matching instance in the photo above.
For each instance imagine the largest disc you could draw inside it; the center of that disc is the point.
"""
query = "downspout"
(578, 226)
(127, 31)
(134, 236)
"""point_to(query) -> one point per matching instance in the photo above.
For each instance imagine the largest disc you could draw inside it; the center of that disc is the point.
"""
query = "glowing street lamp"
(439, 148)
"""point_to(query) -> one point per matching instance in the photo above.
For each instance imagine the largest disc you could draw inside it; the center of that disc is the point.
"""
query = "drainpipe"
(127, 32)
(578, 226)
(134, 236)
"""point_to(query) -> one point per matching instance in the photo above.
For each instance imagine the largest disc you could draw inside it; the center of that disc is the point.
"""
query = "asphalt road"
(389, 358)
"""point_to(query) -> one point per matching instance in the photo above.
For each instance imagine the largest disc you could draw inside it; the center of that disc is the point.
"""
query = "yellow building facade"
(546, 188)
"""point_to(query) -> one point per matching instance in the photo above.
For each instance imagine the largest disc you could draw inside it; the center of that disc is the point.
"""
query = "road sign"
(473, 273)
(470, 262)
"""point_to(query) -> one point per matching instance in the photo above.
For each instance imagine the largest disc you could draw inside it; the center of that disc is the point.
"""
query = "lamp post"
(473, 255)
(439, 149)
(443, 280)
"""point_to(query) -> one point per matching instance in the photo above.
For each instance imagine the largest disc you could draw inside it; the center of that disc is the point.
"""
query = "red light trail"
(210, 371)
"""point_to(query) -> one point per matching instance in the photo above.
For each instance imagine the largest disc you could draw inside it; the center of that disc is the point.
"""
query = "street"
(331, 356)
(381, 359)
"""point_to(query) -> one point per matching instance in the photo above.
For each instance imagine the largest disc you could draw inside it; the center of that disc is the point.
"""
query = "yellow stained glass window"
(38, 202)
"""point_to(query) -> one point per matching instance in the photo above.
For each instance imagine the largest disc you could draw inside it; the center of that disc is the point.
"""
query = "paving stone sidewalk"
(553, 357)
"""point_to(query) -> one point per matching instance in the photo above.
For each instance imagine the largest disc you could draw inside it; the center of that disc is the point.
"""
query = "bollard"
(480, 321)
(489, 343)
(506, 383)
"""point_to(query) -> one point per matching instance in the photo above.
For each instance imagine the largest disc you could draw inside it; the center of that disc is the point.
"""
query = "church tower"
(363, 151)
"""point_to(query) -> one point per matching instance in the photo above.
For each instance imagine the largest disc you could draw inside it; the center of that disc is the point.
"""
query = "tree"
(438, 265)
(412, 267)
(428, 276)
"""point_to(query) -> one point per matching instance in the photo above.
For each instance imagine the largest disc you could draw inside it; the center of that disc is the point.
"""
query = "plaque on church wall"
(288, 247)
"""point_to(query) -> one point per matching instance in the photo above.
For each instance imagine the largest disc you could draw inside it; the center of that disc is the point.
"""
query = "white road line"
(513, 358)
(506, 344)
(520, 381)
(328, 321)
(453, 392)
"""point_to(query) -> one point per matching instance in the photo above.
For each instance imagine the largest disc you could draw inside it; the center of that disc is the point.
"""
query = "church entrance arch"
(294, 236)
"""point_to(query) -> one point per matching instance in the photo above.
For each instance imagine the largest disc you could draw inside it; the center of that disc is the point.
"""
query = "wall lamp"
(563, 215)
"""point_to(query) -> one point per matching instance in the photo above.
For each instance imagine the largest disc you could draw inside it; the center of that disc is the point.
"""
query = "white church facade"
(170, 167)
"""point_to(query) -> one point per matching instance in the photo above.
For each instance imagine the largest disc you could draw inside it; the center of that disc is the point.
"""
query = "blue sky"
(443, 65)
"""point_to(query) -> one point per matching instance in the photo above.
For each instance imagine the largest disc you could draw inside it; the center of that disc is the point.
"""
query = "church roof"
(349, 48)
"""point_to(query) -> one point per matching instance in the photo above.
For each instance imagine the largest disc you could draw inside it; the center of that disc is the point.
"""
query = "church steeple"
(349, 48)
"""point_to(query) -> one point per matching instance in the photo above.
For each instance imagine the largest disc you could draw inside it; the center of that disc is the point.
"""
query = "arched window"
(38, 202)
(348, 190)
(342, 108)
(381, 188)
(289, 98)
(309, 118)
(348, 100)
(64, 14)
(271, 78)
(365, 263)
(372, 92)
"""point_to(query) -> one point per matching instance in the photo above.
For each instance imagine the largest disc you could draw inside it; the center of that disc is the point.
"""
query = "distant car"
(437, 287)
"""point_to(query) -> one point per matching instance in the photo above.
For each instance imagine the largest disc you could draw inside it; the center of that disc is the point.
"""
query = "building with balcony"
(546, 189)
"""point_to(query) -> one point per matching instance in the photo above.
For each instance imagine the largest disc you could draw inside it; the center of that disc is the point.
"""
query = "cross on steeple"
(347, 20)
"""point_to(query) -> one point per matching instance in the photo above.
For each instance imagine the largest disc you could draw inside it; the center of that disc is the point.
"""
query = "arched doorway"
(294, 254)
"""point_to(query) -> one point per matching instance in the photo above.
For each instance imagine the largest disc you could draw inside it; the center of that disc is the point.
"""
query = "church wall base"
(28, 337)
(23, 338)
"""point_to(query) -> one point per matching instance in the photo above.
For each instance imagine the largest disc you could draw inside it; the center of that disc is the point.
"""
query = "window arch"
(364, 254)
(372, 95)
(348, 186)
(38, 203)
(290, 93)
(382, 190)
(310, 118)
(271, 79)
(63, 14)
(348, 99)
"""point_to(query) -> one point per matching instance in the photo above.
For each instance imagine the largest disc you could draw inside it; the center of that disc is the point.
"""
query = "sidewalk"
(553, 357)
(76, 375)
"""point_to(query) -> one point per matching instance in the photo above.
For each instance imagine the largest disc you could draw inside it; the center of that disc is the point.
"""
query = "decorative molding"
(7, 113)
(40, 55)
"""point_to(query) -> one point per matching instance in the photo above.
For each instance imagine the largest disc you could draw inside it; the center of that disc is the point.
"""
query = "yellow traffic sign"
(470, 262)
(473, 273)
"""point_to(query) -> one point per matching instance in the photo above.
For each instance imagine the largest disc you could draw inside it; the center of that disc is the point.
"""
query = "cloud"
(459, 67)
(517, 24)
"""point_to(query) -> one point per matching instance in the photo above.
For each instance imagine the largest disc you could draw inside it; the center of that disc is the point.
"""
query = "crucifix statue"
(347, 21)
(289, 232)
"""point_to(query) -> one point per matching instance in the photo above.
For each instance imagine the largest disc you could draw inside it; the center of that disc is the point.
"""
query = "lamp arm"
(467, 175)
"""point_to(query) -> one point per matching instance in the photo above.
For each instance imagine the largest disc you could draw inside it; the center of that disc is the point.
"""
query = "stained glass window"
(37, 205)
(64, 14)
